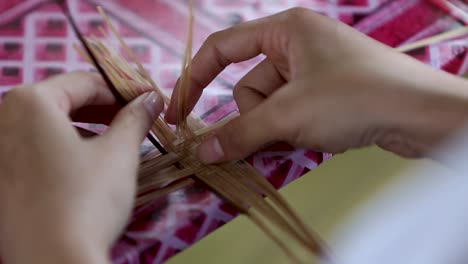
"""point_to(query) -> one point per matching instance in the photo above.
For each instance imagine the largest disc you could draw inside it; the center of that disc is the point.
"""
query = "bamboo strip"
(455, 33)
(236, 182)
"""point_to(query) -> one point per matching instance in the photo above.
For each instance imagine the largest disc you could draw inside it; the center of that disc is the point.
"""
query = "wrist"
(426, 114)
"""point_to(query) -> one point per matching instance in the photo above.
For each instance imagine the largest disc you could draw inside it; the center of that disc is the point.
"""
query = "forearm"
(435, 108)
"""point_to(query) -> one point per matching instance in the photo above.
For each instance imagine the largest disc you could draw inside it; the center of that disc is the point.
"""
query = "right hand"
(324, 86)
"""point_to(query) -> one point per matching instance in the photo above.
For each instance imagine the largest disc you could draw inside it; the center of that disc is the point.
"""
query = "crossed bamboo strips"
(236, 182)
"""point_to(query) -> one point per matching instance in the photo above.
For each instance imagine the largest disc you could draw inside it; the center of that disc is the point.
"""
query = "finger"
(132, 123)
(171, 113)
(257, 85)
(75, 90)
(242, 136)
(218, 51)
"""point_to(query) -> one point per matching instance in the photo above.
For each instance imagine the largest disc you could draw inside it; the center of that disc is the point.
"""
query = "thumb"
(242, 136)
(132, 123)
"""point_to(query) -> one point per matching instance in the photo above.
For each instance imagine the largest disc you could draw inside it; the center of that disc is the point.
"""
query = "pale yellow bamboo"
(238, 183)
(455, 33)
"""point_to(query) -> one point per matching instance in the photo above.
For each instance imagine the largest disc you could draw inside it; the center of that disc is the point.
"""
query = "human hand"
(324, 86)
(65, 198)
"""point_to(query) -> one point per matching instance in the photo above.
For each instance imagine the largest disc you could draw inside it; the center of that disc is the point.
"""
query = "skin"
(326, 87)
(66, 198)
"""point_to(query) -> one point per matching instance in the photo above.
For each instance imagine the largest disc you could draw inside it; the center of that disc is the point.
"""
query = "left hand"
(65, 198)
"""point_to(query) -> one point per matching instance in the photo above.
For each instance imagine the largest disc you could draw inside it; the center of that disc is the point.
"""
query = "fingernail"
(210, 151)
(153, 104)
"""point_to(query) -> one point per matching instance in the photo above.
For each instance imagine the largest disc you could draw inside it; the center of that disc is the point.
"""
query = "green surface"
(323, 198)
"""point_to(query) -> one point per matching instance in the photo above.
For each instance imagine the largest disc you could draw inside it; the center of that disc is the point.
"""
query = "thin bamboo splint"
(236, 182)
(448, 35)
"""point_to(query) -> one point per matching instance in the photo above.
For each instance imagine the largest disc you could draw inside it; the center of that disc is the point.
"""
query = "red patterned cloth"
(36, 42)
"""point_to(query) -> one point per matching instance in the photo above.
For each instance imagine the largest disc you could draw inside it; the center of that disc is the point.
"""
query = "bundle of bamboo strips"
(236, 182)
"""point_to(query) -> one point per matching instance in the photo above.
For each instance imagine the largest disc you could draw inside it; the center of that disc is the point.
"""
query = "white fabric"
(421, 218)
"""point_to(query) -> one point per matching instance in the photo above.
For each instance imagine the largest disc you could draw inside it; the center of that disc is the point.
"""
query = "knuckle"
(298, 14)
(25, 95)
(15, 94)
(231, 140)
(301, 20)
(213, 37)
(212, 43)
(26, 102)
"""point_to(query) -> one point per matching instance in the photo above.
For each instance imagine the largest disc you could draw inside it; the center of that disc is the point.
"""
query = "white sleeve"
(421, 218)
